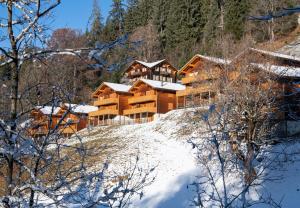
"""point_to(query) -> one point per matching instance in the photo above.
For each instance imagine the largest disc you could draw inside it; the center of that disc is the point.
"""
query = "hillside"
(163, 144)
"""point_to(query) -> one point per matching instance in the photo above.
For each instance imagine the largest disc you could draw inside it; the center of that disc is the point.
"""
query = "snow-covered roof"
(117, 87)
(48, 110)
(215, 59)
(150, 65)
(163, 85)
(85, 109)
(279, 55)
(285, 71)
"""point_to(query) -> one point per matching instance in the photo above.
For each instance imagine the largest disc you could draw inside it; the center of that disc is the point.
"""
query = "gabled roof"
(48, 110)
(117, 87)
(161, 85)
(285, 71)
(81, 109)
(114, 86)
(275, 54)
(152, 64)
(214, 60)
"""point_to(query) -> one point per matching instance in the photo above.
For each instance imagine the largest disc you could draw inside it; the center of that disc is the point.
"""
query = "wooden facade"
(202, 76)
(43, 119)
(159, 71)
(68, 119)
(73, 118)
(150, 98)
(206, 77)
(110, 99)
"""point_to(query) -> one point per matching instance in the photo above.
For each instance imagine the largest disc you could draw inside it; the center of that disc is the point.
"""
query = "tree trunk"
(13, 97)
(74, 83)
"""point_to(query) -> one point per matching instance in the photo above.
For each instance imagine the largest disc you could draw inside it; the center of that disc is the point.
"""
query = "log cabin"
(43, 119)
(110, 99)
(201, 76)
(150, 98)
(160, 71)
(73, 117)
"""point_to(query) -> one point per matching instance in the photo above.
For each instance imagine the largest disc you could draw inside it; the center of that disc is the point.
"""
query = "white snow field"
(163, 144)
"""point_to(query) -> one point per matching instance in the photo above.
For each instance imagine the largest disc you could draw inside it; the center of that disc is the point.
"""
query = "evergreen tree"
(145, 11)
(175, 24)
(115, 21)
(236, 12)
(131, 20)
(211, 14)
(95, 33)
(160, 13)
(139, 13)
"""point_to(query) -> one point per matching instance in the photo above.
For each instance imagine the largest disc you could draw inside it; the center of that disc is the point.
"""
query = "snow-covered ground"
(163, 144)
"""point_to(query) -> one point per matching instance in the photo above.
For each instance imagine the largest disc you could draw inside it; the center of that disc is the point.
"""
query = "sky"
(75, 13)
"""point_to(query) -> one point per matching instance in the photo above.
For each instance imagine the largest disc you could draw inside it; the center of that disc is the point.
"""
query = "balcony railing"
(143, 97)
(199, 77)
(196, 89)
(189, 79)
(143, 109)
(108, 111)
(107, 100)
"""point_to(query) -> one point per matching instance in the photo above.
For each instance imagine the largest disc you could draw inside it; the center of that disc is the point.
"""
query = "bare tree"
(33, 168)
(241, 122)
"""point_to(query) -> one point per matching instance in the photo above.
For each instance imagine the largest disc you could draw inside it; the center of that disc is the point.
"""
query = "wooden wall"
(166, 101)
(123, 102)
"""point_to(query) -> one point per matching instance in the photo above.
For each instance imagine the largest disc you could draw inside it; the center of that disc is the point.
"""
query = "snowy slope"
(163, 143)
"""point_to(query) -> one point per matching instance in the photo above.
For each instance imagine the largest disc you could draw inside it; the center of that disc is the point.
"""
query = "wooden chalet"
(160, 71)
(110, 99)
(43, 119)
(201, 76)
(73, 117)
(151, 97)
(287, 82)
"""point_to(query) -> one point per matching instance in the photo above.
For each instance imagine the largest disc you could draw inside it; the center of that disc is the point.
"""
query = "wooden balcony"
(145, 109)
(189, 79)
(106, 101)
(104, 112)
(195, 90)
(144, 97)
(199, 77)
